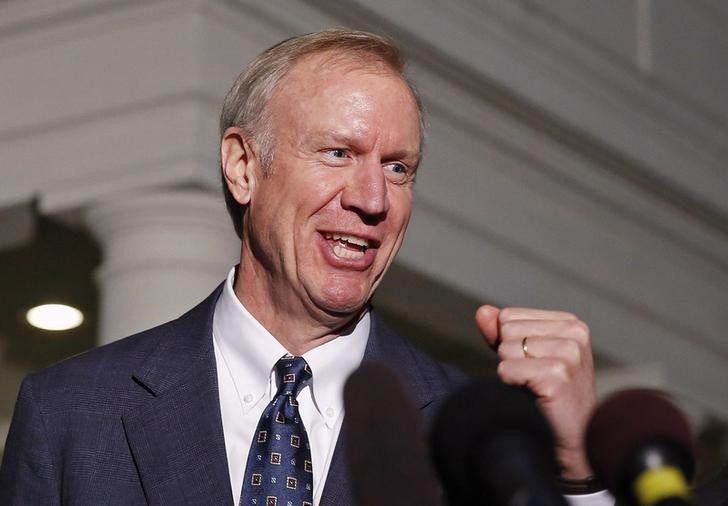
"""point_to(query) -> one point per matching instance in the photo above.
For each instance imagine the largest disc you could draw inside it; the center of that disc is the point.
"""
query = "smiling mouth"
(348, 246)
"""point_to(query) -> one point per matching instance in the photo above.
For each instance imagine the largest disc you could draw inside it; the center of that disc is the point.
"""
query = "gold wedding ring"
(524, 347)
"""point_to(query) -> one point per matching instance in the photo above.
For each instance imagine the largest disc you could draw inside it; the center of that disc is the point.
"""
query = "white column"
(163, 252)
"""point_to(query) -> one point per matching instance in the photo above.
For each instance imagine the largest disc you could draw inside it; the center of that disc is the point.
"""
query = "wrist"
(574, 465)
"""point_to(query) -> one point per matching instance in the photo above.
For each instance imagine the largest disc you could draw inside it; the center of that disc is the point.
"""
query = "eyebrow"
(346, 139)
(413, 156)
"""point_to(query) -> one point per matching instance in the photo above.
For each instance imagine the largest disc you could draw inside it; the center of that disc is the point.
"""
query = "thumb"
(486, 318)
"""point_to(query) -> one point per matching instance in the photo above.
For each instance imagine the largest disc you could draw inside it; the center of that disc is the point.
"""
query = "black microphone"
(640, 446)
(492, 446)
(385, 443)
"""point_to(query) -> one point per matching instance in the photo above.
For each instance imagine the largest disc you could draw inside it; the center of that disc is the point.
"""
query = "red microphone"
(640, 446)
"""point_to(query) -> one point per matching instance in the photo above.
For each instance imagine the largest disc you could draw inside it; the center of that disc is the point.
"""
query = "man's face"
(326, 224)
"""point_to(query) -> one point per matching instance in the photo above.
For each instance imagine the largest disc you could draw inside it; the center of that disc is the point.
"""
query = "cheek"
(318, 190)
(322, 185)
(401, 210)
(321, 204)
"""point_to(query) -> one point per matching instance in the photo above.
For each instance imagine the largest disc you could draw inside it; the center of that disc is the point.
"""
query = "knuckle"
(571, 350)
(583, 327)
(507, 328)
(503, 351)
(501, 370)
(559, 370)
(506, 314)
(549, 390)
(581, 331)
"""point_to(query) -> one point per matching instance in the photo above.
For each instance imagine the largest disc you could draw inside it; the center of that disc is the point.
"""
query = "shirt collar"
(250, 352)
(332, 363)
(248, 349)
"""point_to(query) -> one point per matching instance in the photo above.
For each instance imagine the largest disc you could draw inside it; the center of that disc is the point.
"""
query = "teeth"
(349, 238)
(342, 252)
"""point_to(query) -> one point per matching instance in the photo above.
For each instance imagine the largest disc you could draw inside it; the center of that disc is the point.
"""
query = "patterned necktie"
(279, 471)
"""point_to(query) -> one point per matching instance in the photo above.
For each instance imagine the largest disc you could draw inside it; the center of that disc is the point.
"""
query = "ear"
(238, 164)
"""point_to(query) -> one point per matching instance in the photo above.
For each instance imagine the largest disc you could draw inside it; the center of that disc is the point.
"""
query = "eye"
(397, 172)
(337, 157)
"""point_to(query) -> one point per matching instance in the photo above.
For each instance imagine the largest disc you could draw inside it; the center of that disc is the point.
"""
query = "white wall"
(575, 155)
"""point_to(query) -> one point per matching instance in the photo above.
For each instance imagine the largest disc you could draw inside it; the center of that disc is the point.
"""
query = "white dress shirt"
(246, 353)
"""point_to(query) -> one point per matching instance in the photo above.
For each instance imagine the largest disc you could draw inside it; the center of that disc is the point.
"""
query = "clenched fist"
(550, 353)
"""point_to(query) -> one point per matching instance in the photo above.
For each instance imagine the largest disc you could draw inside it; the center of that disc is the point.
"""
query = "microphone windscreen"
(489, 441)
(385, 443)
(628, 420)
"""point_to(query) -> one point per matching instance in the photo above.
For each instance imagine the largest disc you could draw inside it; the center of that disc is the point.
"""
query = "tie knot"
(293, 372)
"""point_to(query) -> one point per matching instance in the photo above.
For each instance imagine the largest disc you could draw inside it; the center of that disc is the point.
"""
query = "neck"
(297, 327)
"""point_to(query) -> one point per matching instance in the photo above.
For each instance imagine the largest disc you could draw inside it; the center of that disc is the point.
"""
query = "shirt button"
(330, 412)
(248, 398)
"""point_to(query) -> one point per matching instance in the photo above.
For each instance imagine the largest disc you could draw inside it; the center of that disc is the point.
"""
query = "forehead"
(320, 66)
(338, 87)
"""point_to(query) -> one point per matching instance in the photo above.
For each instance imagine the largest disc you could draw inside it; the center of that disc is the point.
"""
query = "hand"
(559, 369)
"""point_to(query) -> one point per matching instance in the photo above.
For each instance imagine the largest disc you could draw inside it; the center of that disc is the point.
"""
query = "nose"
(366, 193)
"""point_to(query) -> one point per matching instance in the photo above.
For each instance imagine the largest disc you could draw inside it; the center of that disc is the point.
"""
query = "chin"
(341, 308)
(342, 302)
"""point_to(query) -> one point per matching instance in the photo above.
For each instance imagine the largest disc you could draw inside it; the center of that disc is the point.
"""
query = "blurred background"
(574, 160)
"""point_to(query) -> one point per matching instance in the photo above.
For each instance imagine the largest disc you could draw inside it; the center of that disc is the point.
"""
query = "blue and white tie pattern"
(279, 471)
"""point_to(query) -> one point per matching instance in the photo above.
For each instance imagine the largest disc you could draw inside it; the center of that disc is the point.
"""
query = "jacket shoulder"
(108, 370)
(428, 379)
(99, 371)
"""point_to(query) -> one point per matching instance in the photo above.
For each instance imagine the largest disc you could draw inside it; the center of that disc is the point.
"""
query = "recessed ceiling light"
(54, 317)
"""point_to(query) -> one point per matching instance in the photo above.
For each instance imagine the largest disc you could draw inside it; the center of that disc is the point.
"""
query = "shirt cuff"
(601, 498)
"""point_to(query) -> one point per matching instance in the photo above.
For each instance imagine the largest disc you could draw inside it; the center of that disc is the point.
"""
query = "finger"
(486, 318)
(567, 350)
(541, 375)
(525, 313)
(570, 329)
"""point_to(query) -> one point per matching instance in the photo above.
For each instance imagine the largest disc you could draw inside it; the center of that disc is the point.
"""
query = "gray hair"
(245, 104)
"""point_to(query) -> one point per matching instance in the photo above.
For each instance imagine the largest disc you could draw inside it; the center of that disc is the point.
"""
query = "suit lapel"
(337, 491)
(388, 348)
(176, 436)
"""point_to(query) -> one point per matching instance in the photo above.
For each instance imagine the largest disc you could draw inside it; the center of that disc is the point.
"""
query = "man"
(321, 140)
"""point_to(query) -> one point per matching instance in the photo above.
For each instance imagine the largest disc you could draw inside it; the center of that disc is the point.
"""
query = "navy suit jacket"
(138, 421)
